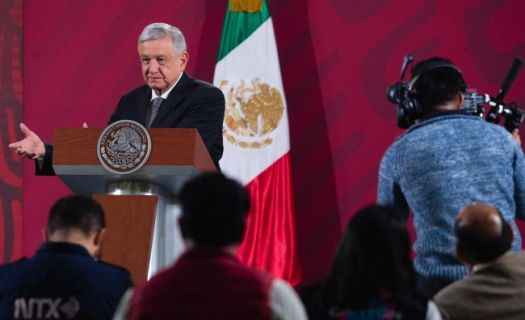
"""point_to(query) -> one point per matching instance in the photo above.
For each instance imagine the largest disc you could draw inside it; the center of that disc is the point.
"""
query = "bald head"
(482, 219)
(482, 233)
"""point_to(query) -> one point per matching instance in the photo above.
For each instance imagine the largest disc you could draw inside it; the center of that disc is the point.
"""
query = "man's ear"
(184, 58)
(461, 100)
(45, 235)
(99, 237)
(94, 245)
(510, 232)
(464, 257)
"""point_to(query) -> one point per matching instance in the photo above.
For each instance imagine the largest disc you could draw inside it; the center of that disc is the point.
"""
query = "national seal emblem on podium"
(124, 147)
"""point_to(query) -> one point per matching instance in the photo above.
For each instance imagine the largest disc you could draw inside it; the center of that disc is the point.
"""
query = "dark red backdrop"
(337, 57)
(10, 114)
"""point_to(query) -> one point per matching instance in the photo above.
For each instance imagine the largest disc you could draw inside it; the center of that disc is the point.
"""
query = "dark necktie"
(155, 106)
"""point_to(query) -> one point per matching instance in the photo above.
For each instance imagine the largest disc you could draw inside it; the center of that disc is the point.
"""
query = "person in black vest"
(65, 280)
(208, 281)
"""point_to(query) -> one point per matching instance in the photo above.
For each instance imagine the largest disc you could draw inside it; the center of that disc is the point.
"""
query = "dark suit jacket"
(191, 104)
(61, 278)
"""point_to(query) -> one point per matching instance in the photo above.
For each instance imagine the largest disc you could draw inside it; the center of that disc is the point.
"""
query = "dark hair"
(76, 212)
(374, 254)
(214, 209)
(479, 246)
(438, 82)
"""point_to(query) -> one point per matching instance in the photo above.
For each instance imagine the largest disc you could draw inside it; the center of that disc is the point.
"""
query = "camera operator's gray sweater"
(442, 164)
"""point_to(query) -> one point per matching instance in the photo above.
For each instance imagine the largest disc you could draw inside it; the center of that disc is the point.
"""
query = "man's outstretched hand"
(31, 146)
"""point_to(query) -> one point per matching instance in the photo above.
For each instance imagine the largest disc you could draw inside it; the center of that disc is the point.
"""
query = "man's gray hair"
(156, 31)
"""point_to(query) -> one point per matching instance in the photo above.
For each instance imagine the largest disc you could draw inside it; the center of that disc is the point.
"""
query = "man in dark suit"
(495, 288)
(64, 280)
(170, 98)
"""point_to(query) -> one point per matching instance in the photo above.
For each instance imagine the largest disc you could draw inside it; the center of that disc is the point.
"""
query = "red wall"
(10, 114)
(337, 57)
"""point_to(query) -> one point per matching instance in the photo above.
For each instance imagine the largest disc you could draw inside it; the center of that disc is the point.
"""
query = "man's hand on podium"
(31, 146)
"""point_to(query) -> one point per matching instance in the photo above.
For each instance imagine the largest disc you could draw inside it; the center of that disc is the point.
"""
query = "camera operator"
(445, 161)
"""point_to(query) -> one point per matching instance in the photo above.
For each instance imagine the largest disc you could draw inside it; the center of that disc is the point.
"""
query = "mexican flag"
(256, 138)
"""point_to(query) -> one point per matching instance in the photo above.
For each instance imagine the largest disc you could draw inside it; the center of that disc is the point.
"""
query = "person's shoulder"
(311, 296)
(205, 94)
(202, 86)
(139, 91)
(512, 259)
(161, 279)
(460, 124)
(265, 276)
(163, 276)
(520, 255)
(15, 263)
(498, 134)
(112, 277)
(472, 123)
(451, 293)
(199, 83)
(20, 263)
(12, 272)
(449, 300)
(255, 276)
(284, 301)
(391, 151)
(433, 312)
(446, 120)
(113, 268)
(480, 122)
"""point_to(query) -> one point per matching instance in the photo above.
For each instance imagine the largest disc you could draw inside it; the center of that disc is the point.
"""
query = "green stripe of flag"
(238, 26)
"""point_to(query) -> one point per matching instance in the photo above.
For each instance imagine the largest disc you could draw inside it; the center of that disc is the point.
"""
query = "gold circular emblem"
(124, 147)
(252, 113)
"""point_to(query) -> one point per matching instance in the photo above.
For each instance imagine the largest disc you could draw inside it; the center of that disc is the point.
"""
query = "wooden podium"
(139, 225)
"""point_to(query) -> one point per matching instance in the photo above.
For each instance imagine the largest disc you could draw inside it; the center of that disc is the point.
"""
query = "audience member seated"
(64, 280)
(495, 288)
(208, 281)
(372, 276)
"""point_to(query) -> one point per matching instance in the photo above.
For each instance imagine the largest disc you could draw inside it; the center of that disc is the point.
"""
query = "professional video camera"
(408, 110)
